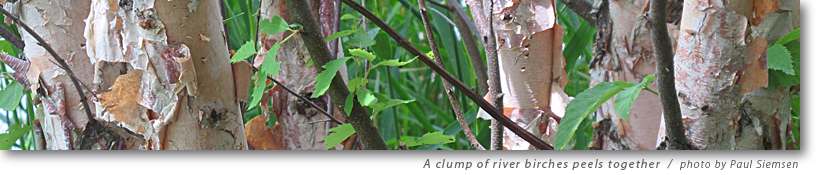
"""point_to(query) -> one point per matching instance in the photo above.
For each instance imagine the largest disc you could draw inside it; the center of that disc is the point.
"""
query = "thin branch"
(60, 61)
(313, 38)
(483, 16)
(459, 116)
(663, 52)
(468, 36)
(521, 132)
(303, 98)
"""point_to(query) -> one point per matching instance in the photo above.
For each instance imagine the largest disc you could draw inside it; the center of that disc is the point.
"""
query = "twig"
(303, 98)
(484, 18)
(459, 116)
(663, 52)
(312, 36)
(60, 61)
(521, 132)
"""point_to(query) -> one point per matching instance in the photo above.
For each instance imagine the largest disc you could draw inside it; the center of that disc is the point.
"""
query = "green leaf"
(244, 52)
(365, 97)
(581, 107)
(780, 59)
(356, 83)
(338, 134)
(11, 96)
(339, 34)
(791, 36)
(348, 103)
(364, 39)
(361, 53)
(432, 138)
(626, 98)
(584, 134)
(258, 89)
(324, 78)
(393, 63)
(271, 65)
(274, 26)
(270, 122)
(14, 133)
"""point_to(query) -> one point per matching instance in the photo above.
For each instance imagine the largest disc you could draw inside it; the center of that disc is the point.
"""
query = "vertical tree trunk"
(624, 52)
(59, 22)
(722, 75)
(161, 71)
(299, 126)
(532, 66)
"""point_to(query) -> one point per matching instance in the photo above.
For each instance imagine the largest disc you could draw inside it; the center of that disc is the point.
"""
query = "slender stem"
(663, 52)
(459, 116)
(313, 38)
(521, 132)
(303, 98)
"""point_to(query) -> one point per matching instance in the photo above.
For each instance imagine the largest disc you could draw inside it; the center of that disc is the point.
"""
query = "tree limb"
(663, 52)
(301, 13)
(521, 132)
(459, 116)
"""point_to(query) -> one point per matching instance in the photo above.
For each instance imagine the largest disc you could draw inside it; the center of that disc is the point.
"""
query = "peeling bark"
(532, 67)
(164, 86)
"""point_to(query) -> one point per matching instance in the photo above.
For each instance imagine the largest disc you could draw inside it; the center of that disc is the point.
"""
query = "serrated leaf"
(258, 88)
(365, 97)
(246, 50)
(626, 98)
(432, 138)
(582, 106)
(274, 26)
(363, 39)
(271, 65)
(780, 59)
(348, 103)
(361, 53)
(339, 34)
(14, 133)
(338, 134)
(11, 95)
(324, 78)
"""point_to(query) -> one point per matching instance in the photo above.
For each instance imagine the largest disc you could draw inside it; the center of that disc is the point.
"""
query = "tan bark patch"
(122, 102)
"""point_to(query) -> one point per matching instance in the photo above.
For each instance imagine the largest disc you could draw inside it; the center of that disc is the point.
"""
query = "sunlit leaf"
(244, 52)
(324, 79)
(274, 26)
(780, 59)
(583, 106)
(271, 65)
(258, 88)
(626, 98)
(338, 134)
(14, 133)
(431, 138)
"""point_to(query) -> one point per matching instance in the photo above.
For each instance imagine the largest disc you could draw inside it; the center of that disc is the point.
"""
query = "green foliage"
(324, 79)
(338, 134)
(626, 98)
(578, 40)
(273, 26)
(431, 138)
(783, 61)
(11, 95)
(779, 58)
(582, 107)
(14, 133)
(246, 51)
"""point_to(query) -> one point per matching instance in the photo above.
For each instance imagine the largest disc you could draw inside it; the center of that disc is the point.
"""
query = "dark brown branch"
(301, 13)
(521, 132)
(663, 52)
(459, 116)
(468, 36)
(303, 98)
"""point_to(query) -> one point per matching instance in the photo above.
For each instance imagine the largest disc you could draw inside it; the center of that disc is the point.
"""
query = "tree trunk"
(532, 67)
(299, 126)
(152, 88)
(722, 75)
(624, 52)
(59, 23)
